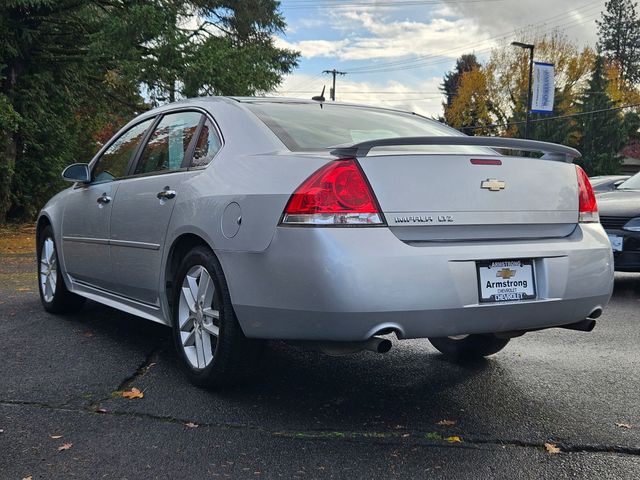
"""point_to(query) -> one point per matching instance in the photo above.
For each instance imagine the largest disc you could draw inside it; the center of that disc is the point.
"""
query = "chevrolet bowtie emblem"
(505, 273)
(493, 185)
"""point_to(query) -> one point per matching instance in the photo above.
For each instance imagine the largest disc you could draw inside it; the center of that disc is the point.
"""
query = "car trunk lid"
(444, 197)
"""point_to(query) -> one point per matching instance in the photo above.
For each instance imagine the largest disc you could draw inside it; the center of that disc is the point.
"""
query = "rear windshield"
(310, 126)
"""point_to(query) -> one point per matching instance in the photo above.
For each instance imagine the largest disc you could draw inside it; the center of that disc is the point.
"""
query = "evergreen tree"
(561, 130)
(603, 132)
(71, 72)
(619, 37)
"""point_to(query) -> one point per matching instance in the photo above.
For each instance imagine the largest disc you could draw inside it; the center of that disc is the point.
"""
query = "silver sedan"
(240, 219)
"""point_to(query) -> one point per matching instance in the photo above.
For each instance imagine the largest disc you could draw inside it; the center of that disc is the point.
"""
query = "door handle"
(103, 199)
(166, 194)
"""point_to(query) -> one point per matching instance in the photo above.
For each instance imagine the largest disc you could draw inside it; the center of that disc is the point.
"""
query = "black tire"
(234, 355)
(471, 347)
(61, 300)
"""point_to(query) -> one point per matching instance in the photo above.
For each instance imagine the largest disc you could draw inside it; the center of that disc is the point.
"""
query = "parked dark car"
(620, 217)
(606, 183)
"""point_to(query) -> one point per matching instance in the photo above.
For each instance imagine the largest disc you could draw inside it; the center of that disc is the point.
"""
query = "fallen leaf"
(133, 393)
(552, 448)
(101, 410)
(454, 439)
(446, 423)
(55, 437)
(623, 425)
(405, 435)
(88, 334)
(23, 289)
(65, 446)
(28, 478)
(191, 425)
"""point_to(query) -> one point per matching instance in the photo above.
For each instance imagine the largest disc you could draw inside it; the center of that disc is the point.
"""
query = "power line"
(441, 57)
(420, 61)
(557, 117)
(447, 59)
(304, 83)
(435, 62)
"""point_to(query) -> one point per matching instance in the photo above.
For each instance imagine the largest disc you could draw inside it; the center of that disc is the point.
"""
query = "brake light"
(587, 205)
(336, 194)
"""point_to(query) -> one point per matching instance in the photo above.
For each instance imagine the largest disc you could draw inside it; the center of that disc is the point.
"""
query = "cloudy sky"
(396, 52)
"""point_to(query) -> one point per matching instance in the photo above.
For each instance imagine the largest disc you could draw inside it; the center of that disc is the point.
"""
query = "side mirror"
(618, 183)
(78, 172)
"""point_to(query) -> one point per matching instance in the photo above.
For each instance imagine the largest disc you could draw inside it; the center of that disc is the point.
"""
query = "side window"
(208, 145)
(169, 143)
(114, 162)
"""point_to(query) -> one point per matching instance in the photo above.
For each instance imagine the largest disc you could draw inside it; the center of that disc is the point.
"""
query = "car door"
(144, 203)
(88, 209)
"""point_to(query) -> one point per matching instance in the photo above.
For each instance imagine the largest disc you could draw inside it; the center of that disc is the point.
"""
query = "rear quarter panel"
(253, 169)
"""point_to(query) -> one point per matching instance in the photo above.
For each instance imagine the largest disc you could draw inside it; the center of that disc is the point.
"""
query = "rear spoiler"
(550, 151)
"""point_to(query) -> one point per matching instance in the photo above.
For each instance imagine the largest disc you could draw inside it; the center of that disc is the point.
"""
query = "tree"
(619, 37)
(602, 129)
(508, 75)
(213, 47)
(72, 72)
(469, 109)
(451, 80)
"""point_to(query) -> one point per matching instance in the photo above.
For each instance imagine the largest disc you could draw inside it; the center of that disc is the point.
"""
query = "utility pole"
(334, 72)
(528, 117)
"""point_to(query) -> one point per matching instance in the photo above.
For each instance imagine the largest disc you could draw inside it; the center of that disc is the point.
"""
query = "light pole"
(529, 47)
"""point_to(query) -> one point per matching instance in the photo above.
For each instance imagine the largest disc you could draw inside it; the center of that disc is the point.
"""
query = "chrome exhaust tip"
(596, 313)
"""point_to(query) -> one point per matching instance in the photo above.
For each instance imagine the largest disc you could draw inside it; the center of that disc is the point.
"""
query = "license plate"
(506, 281)
(616, 243)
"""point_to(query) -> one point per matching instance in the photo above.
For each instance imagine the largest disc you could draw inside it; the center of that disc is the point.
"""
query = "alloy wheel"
(48, 269)
(198, 317)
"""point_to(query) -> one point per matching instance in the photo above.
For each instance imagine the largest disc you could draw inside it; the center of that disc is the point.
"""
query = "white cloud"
(378, 37)
(423, 98)
(312, 48)
(455, 28)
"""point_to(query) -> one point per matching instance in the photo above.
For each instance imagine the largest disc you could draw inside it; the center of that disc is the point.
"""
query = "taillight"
(336, 194)
(587, 205)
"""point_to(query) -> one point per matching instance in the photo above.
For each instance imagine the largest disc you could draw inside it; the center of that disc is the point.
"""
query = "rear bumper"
(347, 284)
(629, 259)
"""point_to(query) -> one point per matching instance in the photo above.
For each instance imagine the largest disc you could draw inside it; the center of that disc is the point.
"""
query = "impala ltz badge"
(493, 185)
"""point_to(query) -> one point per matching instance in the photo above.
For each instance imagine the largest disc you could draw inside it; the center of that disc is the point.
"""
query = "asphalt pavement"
(408, 413)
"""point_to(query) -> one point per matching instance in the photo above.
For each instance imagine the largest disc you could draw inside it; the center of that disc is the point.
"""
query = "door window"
(169, 143)
(208, 145)
(115, 161)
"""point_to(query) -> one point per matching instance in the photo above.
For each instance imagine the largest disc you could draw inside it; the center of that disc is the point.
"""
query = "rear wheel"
(208, 337)
(55, 296)
(469, 347)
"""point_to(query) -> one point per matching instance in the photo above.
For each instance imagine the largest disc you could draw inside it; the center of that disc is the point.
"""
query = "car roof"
(298, 101)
